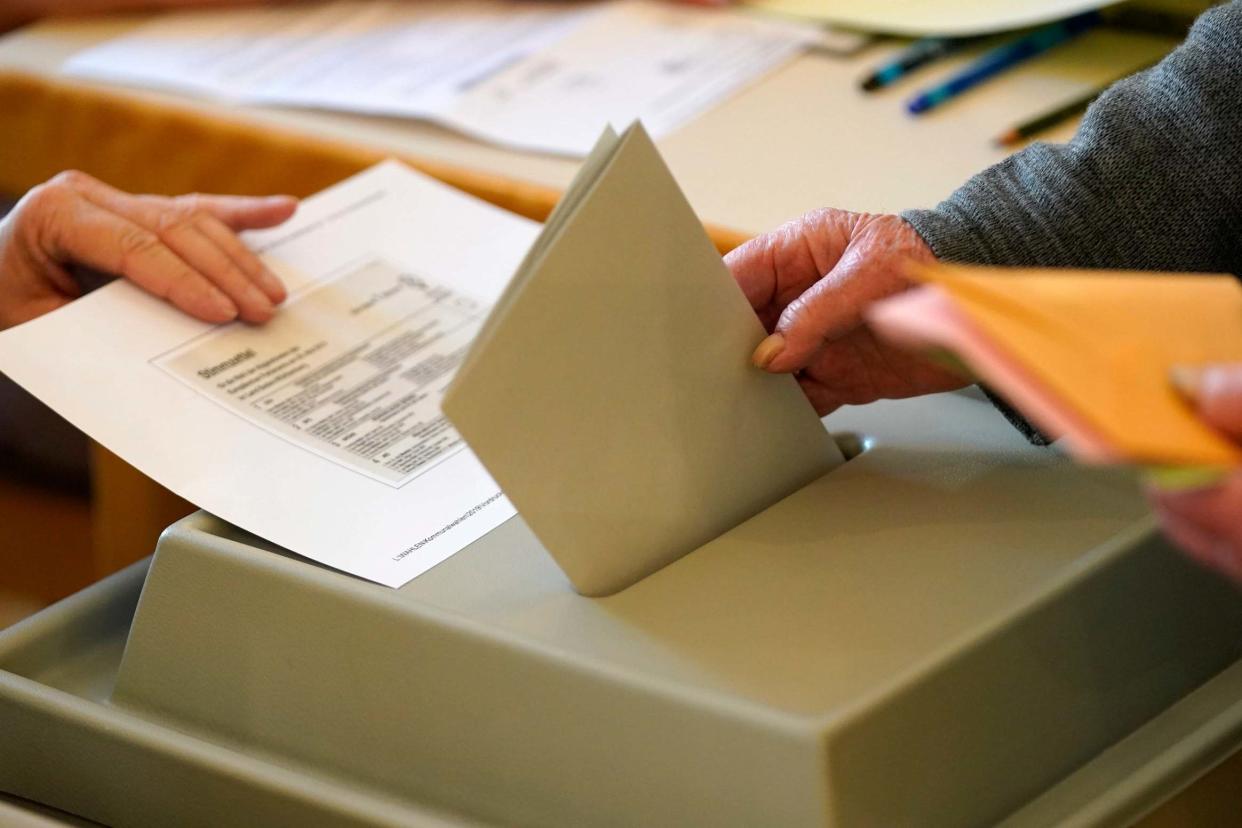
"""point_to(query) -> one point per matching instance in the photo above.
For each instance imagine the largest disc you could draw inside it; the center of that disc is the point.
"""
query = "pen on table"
(1052, 117)
(1002, 58)
(919, 54)
(1047, 120)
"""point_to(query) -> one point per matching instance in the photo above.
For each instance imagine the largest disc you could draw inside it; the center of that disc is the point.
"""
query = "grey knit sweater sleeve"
(1151, 181)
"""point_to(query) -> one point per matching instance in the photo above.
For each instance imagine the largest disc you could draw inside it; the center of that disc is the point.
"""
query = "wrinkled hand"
(184, 250)
(810, 280)
(1207, 522)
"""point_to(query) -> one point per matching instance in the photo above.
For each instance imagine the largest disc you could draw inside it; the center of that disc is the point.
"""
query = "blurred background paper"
(1086, 355)
(543, 77)
(930, 17)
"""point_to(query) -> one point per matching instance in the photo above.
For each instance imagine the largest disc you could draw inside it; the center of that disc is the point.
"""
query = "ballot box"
(953, 628)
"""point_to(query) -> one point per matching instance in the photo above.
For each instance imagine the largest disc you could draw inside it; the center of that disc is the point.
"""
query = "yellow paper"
(1104, 342)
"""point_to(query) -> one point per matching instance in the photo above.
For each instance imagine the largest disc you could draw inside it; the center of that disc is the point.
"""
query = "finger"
(776, 267)
(841, 373)
(211, 216)
(1214, 509)
(1197, 543)
(1216, 392)
(857, 369)
(243, 212)
(824, 312)
(181, 221)
(188, 240)
(1204, 522)
(833, 306)
(237, 212)
(243, 257)
(822, 397)
(109, 242)
(871, 267)
(195, 236)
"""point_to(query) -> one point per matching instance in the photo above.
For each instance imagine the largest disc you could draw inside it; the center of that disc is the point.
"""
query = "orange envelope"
(1085, 355)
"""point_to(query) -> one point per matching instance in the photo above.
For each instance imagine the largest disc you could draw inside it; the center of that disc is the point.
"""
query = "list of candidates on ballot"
(353, 371)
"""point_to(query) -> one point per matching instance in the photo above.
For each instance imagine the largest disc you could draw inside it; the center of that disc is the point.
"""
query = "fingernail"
(769, 349)
(1187, 380)
(259, 298)
(222, 306)
(272, 286)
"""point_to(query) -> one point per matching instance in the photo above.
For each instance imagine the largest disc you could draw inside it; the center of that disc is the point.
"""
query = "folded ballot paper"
(610, 393)
(1086, 355)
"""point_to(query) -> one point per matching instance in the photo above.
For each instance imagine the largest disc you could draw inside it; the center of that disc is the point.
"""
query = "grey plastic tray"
(951, 629)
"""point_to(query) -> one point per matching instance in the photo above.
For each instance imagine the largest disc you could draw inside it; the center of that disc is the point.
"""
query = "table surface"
(803, 137)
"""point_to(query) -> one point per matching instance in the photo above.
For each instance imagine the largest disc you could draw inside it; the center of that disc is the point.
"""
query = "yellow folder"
(1101, 345)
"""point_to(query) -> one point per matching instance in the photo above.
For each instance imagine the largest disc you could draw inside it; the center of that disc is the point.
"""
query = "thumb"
(872, 264)
(822, 313)
(833, 306)
(1216, 393)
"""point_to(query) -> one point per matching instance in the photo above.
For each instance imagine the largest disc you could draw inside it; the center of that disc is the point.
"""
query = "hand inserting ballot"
(810, 280)
(1206, 520)
(184, 250)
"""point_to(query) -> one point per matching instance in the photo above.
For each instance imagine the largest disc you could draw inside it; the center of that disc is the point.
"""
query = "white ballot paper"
(610, 390)
(536, 76)
(321, 430)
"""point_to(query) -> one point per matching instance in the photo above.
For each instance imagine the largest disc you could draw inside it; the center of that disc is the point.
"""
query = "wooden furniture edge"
(53, 124)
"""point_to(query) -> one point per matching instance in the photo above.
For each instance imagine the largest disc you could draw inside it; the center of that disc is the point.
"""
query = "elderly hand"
(184, 250)
(809, 282)
(1207, 522)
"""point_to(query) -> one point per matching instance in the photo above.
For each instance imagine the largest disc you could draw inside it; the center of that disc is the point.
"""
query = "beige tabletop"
(803, 137)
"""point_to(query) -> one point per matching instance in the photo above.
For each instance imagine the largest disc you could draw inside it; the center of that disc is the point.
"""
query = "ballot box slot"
(852, 444)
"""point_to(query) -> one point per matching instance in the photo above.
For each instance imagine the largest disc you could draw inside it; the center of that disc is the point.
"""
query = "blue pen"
(920, 53)
(1002, 58)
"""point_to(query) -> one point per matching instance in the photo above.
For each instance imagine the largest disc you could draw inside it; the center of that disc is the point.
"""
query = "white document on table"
(953, 18)
(320, 431)
(535, 76)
